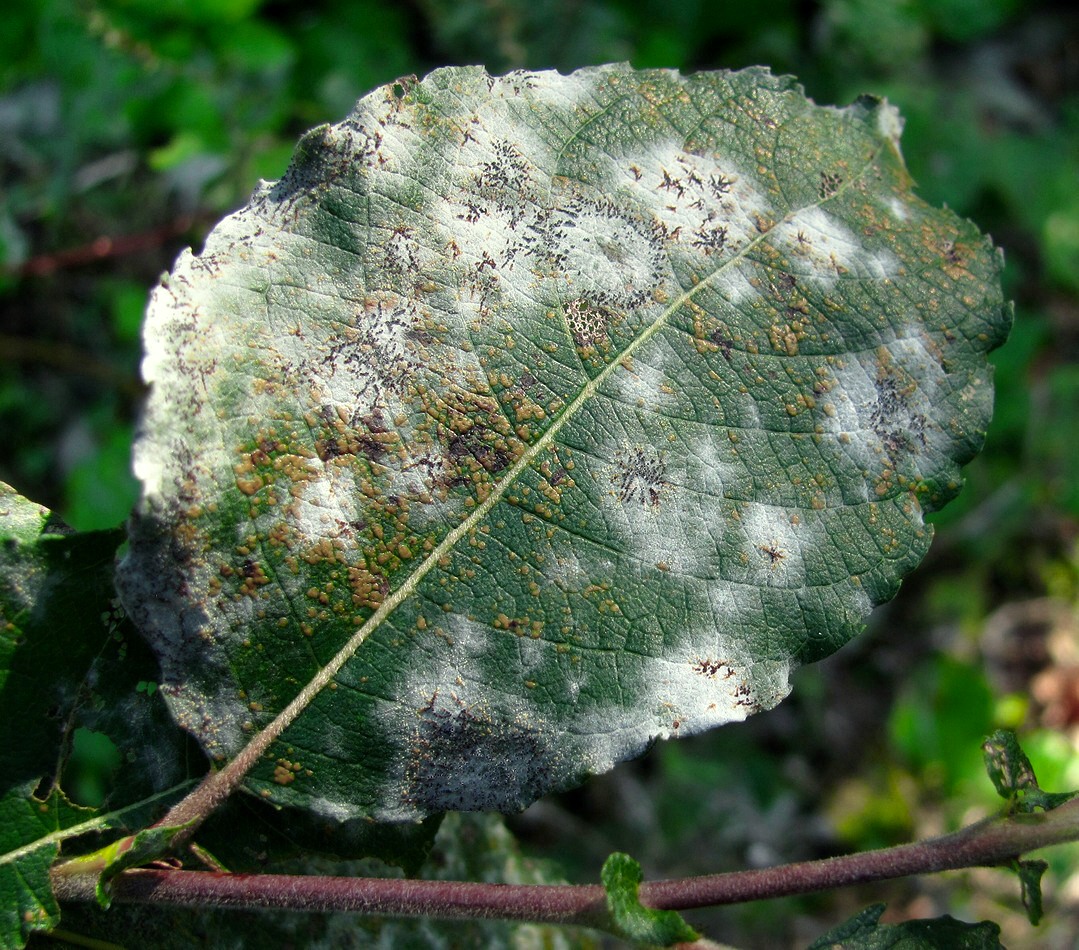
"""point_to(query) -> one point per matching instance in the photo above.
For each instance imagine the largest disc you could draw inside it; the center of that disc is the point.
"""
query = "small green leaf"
(622, 878)
(129, 852)
(30, 835)
(1013, 776)
(865, 932)
(1030, 881)
(32, 830)
(1009, 769)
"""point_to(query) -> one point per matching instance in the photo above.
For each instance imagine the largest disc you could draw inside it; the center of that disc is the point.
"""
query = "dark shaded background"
(128, 127)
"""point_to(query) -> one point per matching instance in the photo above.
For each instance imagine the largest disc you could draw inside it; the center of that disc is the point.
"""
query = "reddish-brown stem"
(990, 842)
(104, 247)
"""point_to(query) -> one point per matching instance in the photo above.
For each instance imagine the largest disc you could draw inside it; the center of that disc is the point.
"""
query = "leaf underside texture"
(529, 419)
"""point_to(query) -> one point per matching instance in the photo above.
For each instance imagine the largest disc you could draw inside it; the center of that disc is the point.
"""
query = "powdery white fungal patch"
(698, 690)
(823, 248)
(733, 284)
(330, 809)
(776, 540)
(884, 407)
(705, 685)
(702, 206)
(552, 89)
(644, 382)
(651, 507)
(326, 506)
(706, 469)
(849, 402)
(469, 748)
(898, 209)
(848, 407)
(890, 123)
(351, 370)
(185, 353)
(567, 572)
(591, 247)
(856, 600)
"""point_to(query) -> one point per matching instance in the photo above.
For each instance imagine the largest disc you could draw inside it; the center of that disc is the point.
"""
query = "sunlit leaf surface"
(568, 411)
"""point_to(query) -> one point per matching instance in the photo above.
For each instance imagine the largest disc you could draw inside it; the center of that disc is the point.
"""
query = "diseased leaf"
(70, 661)
(1030, 885)
(529, 419)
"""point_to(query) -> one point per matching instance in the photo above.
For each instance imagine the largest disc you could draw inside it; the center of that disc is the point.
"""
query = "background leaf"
(75, 706)
(594, 403)
(865, 932)
(30, 835)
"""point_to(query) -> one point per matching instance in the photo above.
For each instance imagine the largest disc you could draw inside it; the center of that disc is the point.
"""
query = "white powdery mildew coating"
(606, 255)
(702, 205)
(851, 400)
(178, 346)
(649, 503)
(698, 690)
(569, 575)
(849, 404)
(467, 745)
(326, 504)
(898, 209)
(707, 472)
(775, 542)
(857, 604)
(890, 123)
(922, 365)
(644, 382)
(706, 683)
(827, 249)
(884, 407)
(354, 369)
(491, 207)
(554, 90)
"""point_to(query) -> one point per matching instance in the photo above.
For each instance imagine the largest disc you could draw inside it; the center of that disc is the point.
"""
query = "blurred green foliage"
(130, 126)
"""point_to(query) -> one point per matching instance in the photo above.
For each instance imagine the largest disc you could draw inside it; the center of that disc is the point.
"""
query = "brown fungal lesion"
(588, 324)
(773, 552)
(830, 183)
(711, 668)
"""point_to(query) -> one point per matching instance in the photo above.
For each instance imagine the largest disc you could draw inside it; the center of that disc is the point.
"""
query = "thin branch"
(104, 247)
(993, 841)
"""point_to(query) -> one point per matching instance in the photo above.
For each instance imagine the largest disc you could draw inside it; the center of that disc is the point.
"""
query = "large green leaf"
(529, 419)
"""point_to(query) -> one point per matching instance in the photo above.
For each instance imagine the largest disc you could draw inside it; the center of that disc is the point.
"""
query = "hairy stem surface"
(993, 841)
